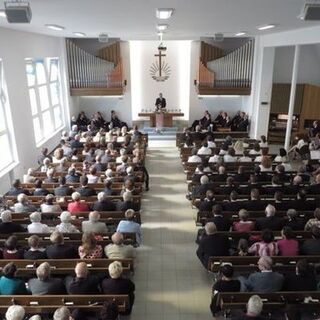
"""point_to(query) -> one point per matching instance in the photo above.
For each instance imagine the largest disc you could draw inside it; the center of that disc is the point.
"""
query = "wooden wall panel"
(209, 53)
(281, 96)
(310, 106)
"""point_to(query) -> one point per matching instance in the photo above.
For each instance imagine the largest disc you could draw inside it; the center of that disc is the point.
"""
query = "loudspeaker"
(218, 37)
(311, 12)
(18, 12)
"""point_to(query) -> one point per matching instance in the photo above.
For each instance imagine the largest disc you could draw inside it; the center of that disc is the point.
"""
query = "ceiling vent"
(311, 11)
(18, 12)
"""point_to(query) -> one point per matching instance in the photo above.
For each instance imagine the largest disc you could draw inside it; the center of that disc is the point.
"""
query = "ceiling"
(136, 20)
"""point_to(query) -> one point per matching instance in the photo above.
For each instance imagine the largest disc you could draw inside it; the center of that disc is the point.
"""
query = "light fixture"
(266, 27)
(79, 34)
(162, 27)
(3, 14)
(55, 27)
(241, 33)
(164, 13)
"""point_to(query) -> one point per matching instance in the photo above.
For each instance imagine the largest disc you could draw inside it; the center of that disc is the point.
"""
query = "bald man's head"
(81, 270)
(117, 238)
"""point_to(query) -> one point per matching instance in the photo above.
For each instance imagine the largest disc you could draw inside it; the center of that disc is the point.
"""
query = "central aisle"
(170, 283)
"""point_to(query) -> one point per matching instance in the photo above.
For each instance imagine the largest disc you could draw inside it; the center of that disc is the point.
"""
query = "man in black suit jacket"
(221, 223)
(7, 226)
(200, 190)
(63, 189)
(83, 282)
(60, 250)
(269, 221)
(315, 188)
(312, 246)
(84, 190)
(294, 222)
(16, 189)
(212, 244)
(160, 102)
(255, 204)
(103, 204)
(207, 203)
(39, 191)
(233, 204)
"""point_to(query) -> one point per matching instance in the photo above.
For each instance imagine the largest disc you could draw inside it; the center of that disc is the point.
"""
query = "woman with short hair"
(9, 284)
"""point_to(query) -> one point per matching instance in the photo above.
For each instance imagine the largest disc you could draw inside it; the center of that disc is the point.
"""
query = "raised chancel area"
(160, 160)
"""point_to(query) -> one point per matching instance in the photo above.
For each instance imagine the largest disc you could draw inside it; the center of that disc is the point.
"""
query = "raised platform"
(166, 134)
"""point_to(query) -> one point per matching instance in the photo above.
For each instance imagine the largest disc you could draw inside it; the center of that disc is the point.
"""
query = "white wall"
(105, 104)
(309, 65)
(175, 89)
(15, 47)
(231, 104)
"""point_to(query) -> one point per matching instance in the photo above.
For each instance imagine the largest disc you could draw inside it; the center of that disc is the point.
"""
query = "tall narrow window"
(43, 78)
(7, 141)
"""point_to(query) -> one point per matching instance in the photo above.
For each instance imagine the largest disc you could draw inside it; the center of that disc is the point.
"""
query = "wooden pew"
(248, 264)
(49, 303)
(27, 268)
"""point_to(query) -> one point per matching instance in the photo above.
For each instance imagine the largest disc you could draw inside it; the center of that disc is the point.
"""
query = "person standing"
(160, 102)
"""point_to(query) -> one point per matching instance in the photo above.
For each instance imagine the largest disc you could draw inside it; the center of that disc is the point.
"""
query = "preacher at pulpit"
(160, 102)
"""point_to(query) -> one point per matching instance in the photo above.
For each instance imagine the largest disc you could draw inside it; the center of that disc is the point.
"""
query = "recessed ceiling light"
(79, 34)
(55, 27)
(3, 14)
(162, 27)
(266, 27)
(164, 13)
(239, 34)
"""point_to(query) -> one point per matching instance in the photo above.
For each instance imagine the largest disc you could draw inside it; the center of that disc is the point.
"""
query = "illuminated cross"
(160, 55)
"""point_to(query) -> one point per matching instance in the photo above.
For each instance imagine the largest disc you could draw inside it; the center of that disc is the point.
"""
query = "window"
(7, 141)
(43, 79)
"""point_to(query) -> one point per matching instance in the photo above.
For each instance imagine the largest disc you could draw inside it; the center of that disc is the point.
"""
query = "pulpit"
(167, 117)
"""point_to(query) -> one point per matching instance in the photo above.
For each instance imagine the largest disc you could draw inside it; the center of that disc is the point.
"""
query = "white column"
(292, 95)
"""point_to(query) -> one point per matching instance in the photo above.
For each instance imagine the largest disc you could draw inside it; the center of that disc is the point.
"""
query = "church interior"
(160, 160)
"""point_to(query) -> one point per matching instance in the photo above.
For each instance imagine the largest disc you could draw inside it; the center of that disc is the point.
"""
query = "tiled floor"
(170, 282)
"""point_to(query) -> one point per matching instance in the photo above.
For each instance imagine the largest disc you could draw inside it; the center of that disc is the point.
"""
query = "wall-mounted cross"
(160, 55)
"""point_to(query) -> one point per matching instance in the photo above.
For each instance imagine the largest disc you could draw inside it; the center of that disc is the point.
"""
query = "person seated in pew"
(121, 168)
(208, 202)
(130, 226)
(279, 171)
(198, 173)
(216, 158)
(66, 226)
(294, 221)
(303, 174)
(140, 166)
(89, 248)
(43, 155)
(130, 175)
(205, 149)
(44, 283)
(35, 252)
(275, 186)
(312, 246)
(16, 189)
(255, 203)
(295, 186)
(127, 203)
(50, 176)
(244, 224)
(315, 188)
(243, 123)
(75, 142)
(230, 156)
(238, 147)
(263, 142)
(93, 176)
(210, 141)
(303, 279)
(212, 244)
(108, 187)
(228, 187)
(122, 152)
(22, 204)
(256, 150)
(84, 189)
(116, 284)
(200, 190)
(266, 164)
(63, 189)
(6, 224)
(93, 224)
(270, 221)
(117, 249)
(233, 204)
(15, 312)
(264, 281)
(302, 202)
(278, 203)
(38, 190)
(254, 310)
(224, 149)
(73, 176)
(36, 226)
(29, 177)
(313, 221)
(194, 156)
(288, 245)
(60, 250)
(245, 157)
(12, 250)
(58, 155)
(83, 282)
(243, 248)
(103, 203)
(9, 283)
(264, 152)
(266, 247)
(225, 283)
(62, 166)
(241, 177)
(46, 165)
(261, 176)
(77, 205)
(204, 122)
(48, 206)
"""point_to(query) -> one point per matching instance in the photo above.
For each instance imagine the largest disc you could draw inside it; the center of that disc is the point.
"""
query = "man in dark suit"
(294, 222)
(103, 204)
(241, 176)
(160, 102)
(315, 188)
(39, 191)
(312, 246)
(83, 282)
(221, 223)
(228, 187)
(16, 189)
(255, 204)
(207, 203)
(60, 250)
(7, 226)
(76, 144)
(72, 176)
(266, 280)
(233, 204)
(302, 203)
(127, 203)
(200, 190)
(279, 204)
(269, 221)
(212, 244)
(84, 189)
(63, 189)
